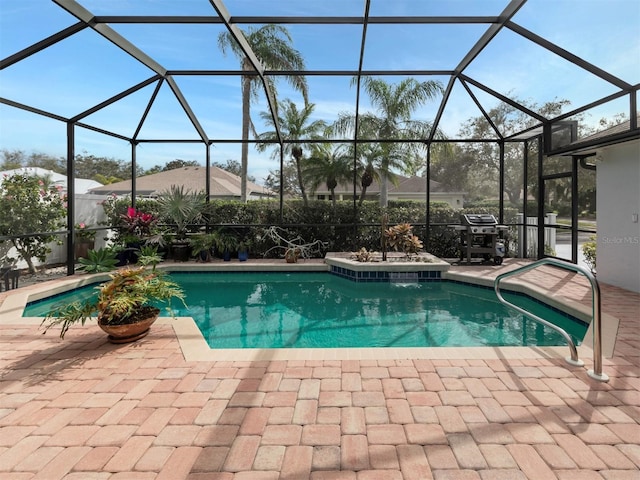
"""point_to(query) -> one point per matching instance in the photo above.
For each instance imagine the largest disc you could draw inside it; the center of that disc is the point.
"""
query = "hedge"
(339, 227)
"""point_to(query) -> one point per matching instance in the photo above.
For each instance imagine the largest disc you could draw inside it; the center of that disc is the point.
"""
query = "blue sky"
(86, 69)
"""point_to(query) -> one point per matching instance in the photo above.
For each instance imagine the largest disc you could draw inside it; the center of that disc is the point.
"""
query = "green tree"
(391, 119)
(178, 163)
(272, 46)
(47, 162)
(27, 207)
(295, 124)
(11, 159)
(106, 180)
(329, 164)
(232, 166)
(483, 159)
(154, 169)
(290, 184)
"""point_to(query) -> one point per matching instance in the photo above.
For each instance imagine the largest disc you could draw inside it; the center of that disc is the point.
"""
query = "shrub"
(28, 206)
(589, 252)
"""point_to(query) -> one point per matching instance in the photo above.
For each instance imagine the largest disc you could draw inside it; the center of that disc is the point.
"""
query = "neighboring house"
(408, 188)
(223, 185)
(82, 185)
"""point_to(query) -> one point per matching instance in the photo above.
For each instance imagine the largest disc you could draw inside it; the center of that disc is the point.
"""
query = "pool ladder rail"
(596, 318)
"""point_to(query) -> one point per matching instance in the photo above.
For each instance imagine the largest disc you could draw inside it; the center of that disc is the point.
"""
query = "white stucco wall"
(618, 207)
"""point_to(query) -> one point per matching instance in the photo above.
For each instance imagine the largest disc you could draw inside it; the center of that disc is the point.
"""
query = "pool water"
(320, 310)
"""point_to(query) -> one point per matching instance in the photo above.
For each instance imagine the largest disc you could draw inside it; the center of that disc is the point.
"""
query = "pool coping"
(195, 348)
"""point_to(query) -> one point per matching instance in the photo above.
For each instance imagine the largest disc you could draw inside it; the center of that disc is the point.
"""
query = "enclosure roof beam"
(84, 15)
(103, 132)
(568, 56)
(187, 108)
(509, 11)
(310, 73)
(42, 44)
(238, 36)
(115, 98)
(505, 99)
(358, 74)
(481, 108)
(147, 109)
(294, 20)
(37, 111)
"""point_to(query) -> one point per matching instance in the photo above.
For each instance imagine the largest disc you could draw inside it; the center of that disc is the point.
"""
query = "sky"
(74, 75)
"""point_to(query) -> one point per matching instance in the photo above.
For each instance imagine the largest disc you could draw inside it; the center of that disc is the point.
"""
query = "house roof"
(615, 134)
(82, 185)
(222, 183)
(406, 185)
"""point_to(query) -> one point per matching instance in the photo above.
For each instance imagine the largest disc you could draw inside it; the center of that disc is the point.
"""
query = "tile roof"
(223, 183)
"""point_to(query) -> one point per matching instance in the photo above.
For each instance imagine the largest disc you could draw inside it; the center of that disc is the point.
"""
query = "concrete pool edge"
(195, 348)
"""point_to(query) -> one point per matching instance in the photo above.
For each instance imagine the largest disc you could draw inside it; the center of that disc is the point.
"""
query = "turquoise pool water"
(320, 310)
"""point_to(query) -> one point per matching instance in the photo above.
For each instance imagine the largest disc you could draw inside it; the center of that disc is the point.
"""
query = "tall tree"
(289, 184)
(272, 45)
(88, 166)
(329, 164)
(179, 163)
(232, 166)
(483, 158)
(11, 159)
(369, 156)
(393, 107)
(294, 124)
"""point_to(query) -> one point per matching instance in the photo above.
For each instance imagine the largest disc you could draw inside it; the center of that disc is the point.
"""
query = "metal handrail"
(596, 318)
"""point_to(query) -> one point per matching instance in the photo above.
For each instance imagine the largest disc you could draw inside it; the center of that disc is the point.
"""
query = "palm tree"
(369, 155)
(294, 125)
(393, 105)
(328, 163)
(272, 46)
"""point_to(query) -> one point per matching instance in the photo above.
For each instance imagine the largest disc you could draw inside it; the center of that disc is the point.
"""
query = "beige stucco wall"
(618, 207)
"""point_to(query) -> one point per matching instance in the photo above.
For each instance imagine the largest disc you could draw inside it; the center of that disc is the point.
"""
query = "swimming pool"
(320, 310)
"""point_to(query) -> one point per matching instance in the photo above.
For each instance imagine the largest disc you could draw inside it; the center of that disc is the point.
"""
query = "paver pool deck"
(84, 409)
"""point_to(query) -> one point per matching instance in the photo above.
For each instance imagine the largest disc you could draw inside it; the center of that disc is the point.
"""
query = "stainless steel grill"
(479, 237)
(480, 223)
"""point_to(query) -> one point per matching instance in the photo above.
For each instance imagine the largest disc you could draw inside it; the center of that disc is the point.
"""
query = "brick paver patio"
(83, 409)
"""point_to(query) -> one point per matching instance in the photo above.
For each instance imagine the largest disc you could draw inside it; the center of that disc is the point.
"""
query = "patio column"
(71, 200)
(133, 173)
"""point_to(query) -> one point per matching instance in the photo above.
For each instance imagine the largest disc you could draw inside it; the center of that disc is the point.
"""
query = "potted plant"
(225, 244)
(401, 238)
(124, 306)
(181, 208)
(136, 229)
(292, 254)
(243, 250)
(203, 245)
(84, 240)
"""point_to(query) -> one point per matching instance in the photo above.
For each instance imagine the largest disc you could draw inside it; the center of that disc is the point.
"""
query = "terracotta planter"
(130, 332)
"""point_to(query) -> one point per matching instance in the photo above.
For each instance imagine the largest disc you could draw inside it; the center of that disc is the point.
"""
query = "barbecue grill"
(479, 237)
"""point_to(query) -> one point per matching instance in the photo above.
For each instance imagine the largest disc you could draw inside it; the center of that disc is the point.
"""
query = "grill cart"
(479, 237)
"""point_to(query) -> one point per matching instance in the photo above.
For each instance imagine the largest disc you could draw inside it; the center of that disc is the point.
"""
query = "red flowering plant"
(137, 223)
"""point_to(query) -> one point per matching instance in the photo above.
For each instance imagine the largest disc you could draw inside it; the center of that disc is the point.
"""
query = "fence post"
(550, 233)
(521, 234)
